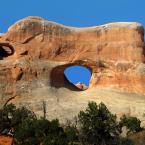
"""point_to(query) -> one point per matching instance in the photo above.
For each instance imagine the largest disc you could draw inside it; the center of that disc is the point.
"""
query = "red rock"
(5, 140)
(114, 53)
(81, 86)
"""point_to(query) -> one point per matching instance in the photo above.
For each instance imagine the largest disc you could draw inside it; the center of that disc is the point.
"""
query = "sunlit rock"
(114, 53)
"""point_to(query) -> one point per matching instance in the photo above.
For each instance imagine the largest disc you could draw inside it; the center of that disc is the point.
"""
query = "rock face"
(81, 86)
(116, 41)
(35, 53)
(6, 140)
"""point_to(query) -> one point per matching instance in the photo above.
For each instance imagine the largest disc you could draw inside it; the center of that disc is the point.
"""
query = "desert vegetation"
(95, 125)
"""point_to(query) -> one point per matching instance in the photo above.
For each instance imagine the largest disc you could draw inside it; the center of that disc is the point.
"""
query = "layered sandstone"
(38, 51)
(114, 41)
(81, 86)
(5, 140)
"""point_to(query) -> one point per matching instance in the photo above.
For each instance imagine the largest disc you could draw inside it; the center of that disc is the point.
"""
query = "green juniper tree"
(98, 126)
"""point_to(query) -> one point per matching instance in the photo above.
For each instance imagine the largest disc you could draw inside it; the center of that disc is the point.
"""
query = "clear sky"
(73, 12)
(79, 13)
(77, 74)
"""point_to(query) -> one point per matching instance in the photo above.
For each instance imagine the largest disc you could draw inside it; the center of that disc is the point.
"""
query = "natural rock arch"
(6, 50)
(43, 49)
(58, 79)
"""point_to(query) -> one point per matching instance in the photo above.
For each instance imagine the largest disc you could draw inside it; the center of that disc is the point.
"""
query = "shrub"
(121, 141)
(132, 124)
(125, 141)
(10, 116)
(31, 132)
(72, 134)
(74, 143)
(55, 135)
(98, 125)
(55, 140)
(5, 118)
(34, 132)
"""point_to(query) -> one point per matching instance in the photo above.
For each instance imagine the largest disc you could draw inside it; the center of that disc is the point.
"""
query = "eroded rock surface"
(42, 50)
(6, 140)
(81, 86)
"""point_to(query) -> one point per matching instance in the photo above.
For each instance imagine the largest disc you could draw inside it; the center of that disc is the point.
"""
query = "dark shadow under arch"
(6, 50)
(58, 79)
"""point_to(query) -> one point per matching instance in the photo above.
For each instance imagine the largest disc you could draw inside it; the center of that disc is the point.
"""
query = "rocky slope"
(34, 53)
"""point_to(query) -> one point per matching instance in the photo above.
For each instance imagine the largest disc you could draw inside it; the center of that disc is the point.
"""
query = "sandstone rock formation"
(81, 86)
(38, 51)
(6, 140)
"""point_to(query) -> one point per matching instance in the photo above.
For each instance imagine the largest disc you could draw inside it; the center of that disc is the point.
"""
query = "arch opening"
(78, 75)
(5, 51)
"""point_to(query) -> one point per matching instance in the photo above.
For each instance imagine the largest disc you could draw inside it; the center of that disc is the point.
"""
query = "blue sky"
(79, 13)
(77, 74)
(73, 12)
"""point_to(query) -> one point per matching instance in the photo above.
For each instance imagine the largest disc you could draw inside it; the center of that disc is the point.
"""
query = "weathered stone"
(81, 86)
(6, 140)
(42, 50)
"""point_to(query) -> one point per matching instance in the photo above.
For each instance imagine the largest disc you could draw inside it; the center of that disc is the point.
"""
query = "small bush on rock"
(10, 116)
(34, 132)
(98, 125)
(132, 124)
